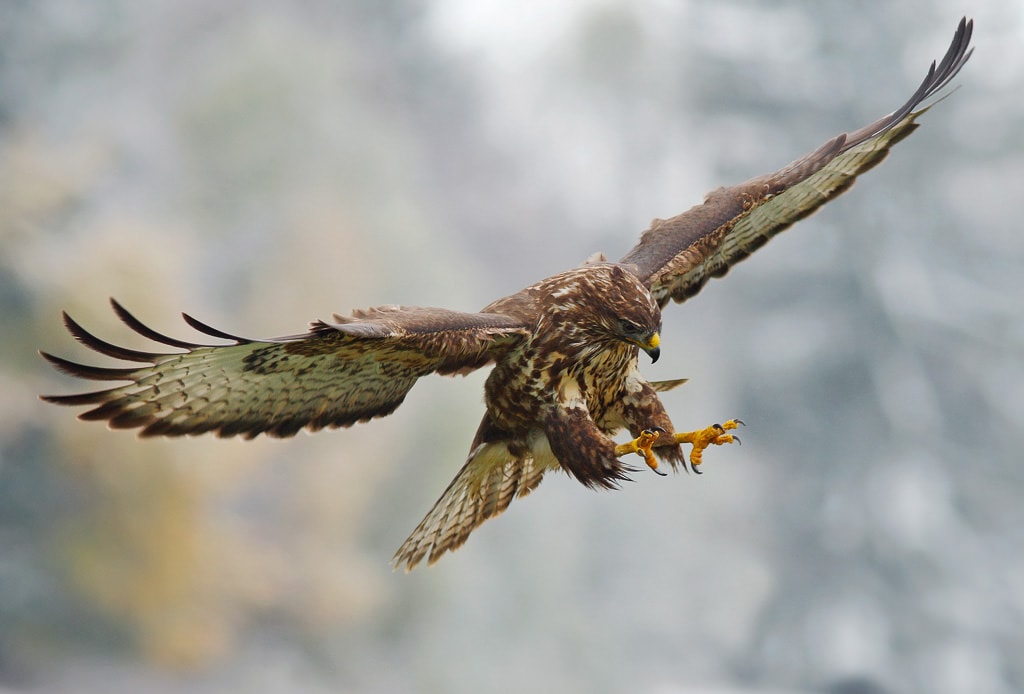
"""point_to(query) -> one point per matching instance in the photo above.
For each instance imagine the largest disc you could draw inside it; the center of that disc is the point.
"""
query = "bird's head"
(646, 338)
(629, 313)
(605, 303)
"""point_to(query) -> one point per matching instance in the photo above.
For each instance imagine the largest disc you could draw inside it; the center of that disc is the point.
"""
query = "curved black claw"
(734, 436)
(695, 469)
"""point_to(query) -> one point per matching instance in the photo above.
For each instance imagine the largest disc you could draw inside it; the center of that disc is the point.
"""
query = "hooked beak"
(652, 348)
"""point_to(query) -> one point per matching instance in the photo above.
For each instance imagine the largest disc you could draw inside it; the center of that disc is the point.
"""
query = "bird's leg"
(641, 445)
(714, 435)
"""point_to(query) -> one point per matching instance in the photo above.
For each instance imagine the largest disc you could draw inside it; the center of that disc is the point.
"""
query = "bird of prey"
(564, 350)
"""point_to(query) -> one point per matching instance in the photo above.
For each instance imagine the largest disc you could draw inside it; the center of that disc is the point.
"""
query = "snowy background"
(262, 164)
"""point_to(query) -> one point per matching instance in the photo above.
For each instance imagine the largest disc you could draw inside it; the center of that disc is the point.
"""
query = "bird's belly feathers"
(519, 392)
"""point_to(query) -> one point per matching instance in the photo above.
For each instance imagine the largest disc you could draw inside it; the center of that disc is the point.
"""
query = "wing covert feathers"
(676, 257)
(333, 376)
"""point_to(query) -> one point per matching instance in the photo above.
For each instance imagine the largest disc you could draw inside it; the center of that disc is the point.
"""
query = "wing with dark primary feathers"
(677, 256)
(359, 367)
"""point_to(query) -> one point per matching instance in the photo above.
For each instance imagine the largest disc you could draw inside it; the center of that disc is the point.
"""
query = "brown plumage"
(565, 350)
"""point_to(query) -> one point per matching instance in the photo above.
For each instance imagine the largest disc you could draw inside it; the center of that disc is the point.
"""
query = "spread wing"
(356, 368)
(676, 256)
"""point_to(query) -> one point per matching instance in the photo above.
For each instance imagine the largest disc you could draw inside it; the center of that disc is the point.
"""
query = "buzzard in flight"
(565, 374)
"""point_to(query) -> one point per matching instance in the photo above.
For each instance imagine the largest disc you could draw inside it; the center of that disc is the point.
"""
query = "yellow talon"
(641, 445)
(714, 435)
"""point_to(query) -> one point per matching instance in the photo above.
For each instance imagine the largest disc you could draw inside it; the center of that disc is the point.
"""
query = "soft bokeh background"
(262, 164)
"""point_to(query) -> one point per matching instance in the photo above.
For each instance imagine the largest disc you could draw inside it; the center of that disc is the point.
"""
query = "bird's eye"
(629, 327)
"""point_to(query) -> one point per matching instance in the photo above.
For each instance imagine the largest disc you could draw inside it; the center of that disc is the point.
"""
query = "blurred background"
(262, 164)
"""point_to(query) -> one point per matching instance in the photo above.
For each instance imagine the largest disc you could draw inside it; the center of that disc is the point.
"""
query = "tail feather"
(491, 477)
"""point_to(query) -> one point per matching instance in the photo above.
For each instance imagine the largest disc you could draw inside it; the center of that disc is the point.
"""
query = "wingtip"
(202, 327)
